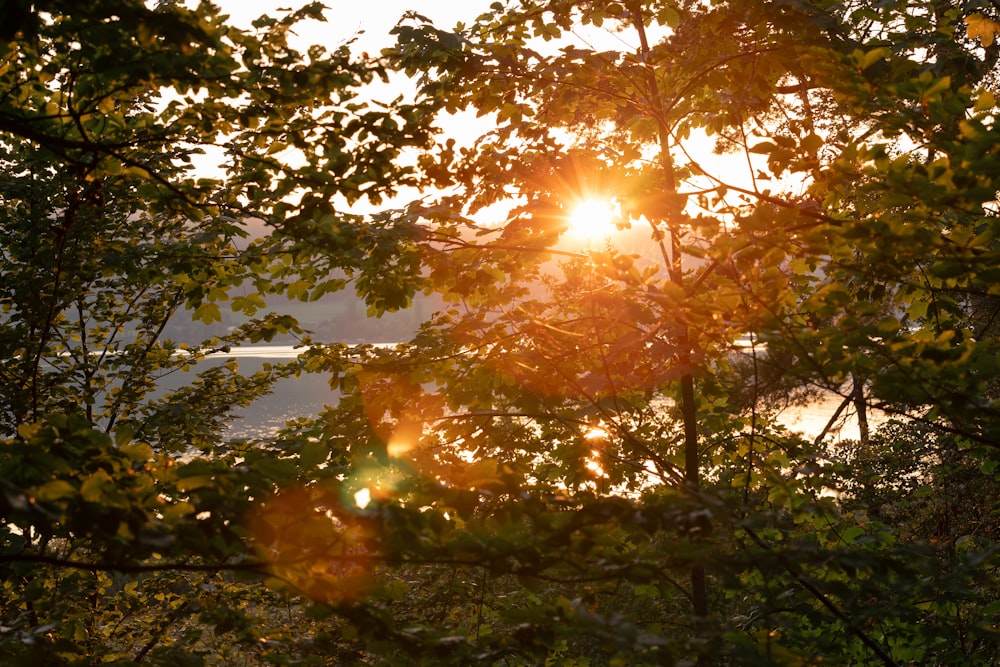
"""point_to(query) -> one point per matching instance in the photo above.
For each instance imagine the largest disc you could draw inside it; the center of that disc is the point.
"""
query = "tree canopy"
(580, 458)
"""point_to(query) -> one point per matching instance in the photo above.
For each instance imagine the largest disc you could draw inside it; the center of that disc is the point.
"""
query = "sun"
(593, 219)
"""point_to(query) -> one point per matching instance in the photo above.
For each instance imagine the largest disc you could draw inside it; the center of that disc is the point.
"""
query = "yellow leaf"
(54, 490)
(985, 102)
(111, 166)
(982, 28)
(137, 451)
(866, 59)
(207, 313)
(124, 531)
(93, 487)
(136, 171)
(194, 482)
(177, 511)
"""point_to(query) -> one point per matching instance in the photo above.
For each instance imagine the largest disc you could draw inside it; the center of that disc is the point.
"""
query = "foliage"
(126, 507)
(577, 460)
(857, 246)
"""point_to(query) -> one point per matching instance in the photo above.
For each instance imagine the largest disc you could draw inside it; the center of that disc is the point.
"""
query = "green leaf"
(207, 313)
(313, 453)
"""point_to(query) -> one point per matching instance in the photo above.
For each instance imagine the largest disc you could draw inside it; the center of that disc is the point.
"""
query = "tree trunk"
(673, 216)
(861, 407)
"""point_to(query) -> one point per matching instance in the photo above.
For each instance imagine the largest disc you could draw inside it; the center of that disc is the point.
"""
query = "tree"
(614, 457)
(573, 462)
(126, 508)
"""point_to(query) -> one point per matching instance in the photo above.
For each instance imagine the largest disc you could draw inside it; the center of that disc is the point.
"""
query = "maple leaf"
(982, 28)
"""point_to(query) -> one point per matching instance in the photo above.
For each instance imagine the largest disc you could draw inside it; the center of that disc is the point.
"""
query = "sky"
(368, 22)
(347, 18)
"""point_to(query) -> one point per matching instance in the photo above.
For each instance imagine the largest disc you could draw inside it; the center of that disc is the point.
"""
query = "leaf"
(249, 304)
(875, 55)
(138, 452)
(54, 490)
(313, 453)
(812, 142)
(935, 89)
(763, 147)
(982, 28)
(985, 101)
(178, 510)
(207, 313)
(866, 59)
(93, 488)
(193, 482)
(669, 16)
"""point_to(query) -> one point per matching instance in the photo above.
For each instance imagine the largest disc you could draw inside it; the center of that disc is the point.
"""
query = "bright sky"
(368, 22)
(347, 18)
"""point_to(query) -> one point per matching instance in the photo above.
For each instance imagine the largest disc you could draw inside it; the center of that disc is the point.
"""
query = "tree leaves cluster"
(578, 460)
(146, 167)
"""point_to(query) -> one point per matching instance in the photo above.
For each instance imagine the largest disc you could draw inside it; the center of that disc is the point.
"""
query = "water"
(292, 398)
(306, 396)
(812, 418)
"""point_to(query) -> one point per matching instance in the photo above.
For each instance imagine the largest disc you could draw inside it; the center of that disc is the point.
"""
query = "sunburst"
(593, 219)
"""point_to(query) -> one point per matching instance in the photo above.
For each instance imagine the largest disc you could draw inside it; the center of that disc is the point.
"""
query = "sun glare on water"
(593, 219)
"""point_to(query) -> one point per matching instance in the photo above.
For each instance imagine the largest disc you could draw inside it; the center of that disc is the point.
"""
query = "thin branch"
(793, 570)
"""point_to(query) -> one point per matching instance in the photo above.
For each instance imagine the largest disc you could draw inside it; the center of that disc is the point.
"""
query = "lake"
(306, 395)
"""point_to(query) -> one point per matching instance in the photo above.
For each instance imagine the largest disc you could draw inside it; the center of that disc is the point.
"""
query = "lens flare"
(314, 543)
(362, 498)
